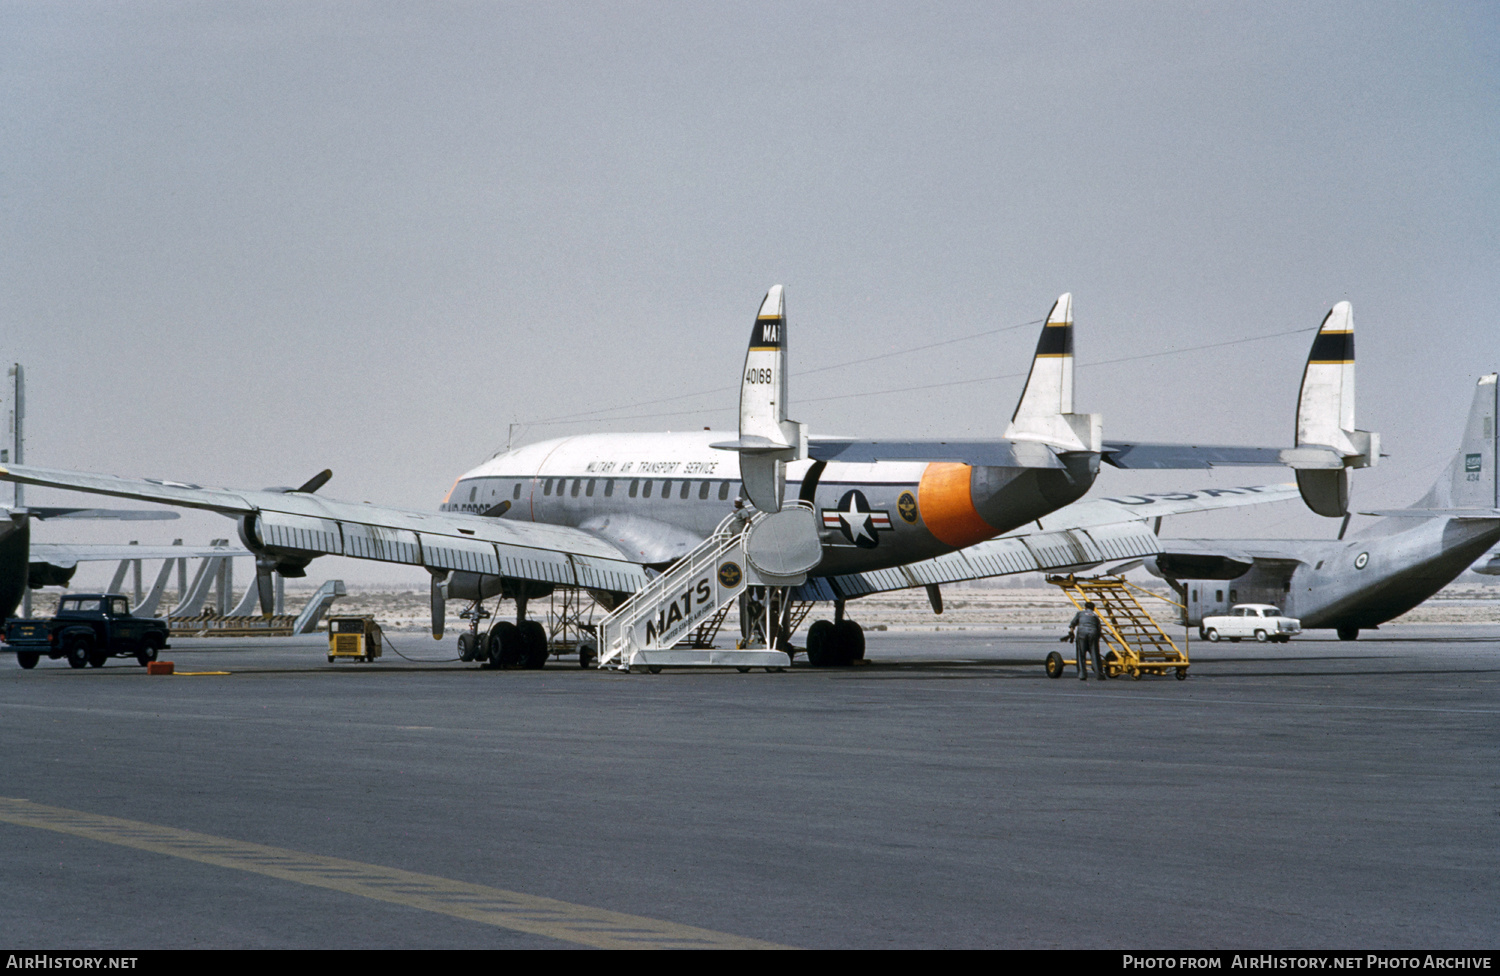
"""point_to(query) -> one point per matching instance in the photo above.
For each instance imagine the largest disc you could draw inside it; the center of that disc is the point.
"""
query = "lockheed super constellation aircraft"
(605, 512)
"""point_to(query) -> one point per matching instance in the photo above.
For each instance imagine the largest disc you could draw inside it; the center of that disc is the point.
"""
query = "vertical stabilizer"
(1328, 444)
(12, 438)
(1045, 412)
(767, 438)
(1469, 481)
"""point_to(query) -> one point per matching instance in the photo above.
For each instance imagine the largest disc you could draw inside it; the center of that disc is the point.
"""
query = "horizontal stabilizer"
(994, 453)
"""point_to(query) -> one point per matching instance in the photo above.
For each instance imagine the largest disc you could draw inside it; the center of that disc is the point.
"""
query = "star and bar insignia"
(854, 518)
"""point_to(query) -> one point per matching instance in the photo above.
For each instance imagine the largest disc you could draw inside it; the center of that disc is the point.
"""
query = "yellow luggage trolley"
(353, 637)
(1134, 642)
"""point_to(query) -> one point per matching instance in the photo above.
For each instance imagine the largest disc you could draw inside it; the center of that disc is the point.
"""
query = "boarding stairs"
(671, 621)
(1136, 643)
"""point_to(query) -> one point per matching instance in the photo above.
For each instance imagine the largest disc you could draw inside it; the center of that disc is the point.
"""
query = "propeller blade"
(317, 481)
(263, 582)
(439, 606)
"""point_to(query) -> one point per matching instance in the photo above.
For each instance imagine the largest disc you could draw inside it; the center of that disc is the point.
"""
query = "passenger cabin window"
(472, 492)
(577, 484)
(547, 487)
(666, 488)
(703, 491)
(647, 492)
(589, 491)
(685, 486)
(635, 484)
(517, 492)
(723, 491)
(609, 487)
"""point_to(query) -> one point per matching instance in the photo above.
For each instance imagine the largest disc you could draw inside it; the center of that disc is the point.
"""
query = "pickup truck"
(88, 630)
(1259, 620)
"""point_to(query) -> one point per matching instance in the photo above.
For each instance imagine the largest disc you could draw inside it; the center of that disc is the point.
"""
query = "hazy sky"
(243, 242)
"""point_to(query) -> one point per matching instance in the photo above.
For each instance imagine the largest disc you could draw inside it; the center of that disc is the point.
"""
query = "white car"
(1259, 620)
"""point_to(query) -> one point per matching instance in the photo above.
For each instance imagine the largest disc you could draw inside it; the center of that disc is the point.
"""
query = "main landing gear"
(835, 643)
(522, 644)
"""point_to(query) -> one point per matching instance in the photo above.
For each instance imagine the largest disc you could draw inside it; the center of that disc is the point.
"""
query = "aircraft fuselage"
(655, 496)
(1360, 582)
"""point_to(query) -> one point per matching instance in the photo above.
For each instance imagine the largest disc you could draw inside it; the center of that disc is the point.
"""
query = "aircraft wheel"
(743, 670)
(1348, 633)
(1211, 635)
(27, 659)
(849, 643)
(819, 642)
(1054, 664)
(534, 645)
(506, 645)
(1182, 674)
(1261, 637)
(468, 646)
(654, 668)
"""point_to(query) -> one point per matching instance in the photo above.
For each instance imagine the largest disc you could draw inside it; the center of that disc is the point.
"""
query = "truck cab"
(88, 629)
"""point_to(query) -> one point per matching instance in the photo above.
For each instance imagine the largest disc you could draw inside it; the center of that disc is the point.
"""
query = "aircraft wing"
(115, 514)
(304, 523)
(66, 554)
(1081, 535)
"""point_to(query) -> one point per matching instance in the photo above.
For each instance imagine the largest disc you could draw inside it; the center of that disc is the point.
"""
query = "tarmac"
(945, 794)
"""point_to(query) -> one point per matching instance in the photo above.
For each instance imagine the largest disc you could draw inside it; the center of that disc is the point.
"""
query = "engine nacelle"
(288, 563)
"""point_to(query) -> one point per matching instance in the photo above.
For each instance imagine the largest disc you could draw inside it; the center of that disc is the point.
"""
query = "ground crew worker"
(1084, 631)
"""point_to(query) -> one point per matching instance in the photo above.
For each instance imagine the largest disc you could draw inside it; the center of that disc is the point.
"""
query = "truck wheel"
(27, 659)
(97, 658)
(1211, 635)
(147, 654)
(78, 652)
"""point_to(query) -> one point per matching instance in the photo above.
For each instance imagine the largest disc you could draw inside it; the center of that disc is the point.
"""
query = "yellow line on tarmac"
(460, 899)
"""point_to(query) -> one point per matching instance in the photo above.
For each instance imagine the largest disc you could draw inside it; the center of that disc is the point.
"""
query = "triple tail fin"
(767, 438)
(1327, 443)
(1045, 411)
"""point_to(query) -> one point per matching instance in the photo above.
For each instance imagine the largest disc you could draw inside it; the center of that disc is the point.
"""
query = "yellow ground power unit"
(353, 637)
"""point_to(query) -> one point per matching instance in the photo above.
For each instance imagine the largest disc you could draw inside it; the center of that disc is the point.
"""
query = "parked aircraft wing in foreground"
(1077, 537)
